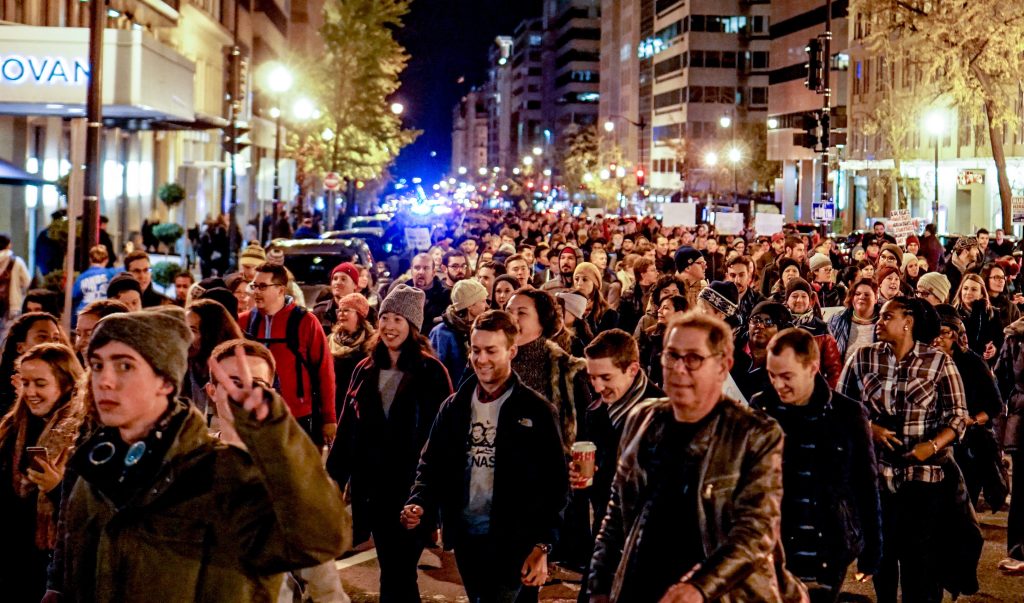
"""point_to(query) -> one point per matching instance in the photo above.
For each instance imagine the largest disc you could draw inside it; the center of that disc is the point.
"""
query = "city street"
(439, 579)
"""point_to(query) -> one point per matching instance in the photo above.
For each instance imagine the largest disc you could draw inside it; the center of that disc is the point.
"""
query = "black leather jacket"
(740, 490)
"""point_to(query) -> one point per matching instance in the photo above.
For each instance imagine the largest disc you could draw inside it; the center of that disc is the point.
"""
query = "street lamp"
(735, 155)
(711, 159)
(725, 121)
(482, 171)
(327, 135)
(462, 170)
(609, 126)
(527, 161)
(772, 123)
(935, 124)
(537, 151)
(278, 80)
(397, 108)
(303, 109)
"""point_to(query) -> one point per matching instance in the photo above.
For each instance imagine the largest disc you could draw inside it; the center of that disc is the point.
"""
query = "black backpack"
(291, 340)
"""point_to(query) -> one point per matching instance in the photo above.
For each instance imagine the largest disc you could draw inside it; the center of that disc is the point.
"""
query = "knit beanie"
(778, 313)
(786, 263)
(884, 273)
(936, 283)
(121, 283)
(508, 278)
(161, 337)
(253, 255)
(574, 303)
(964, 243)
(356, 302)
(685, 257)
(467, 292)
(722, 296)
(348, 268)
(913, 239)
(950, 317)
(908, 259)
(588, 269)
(894, 249)
(276, 256)
(799, 284)
(406, 302)
(819, 261)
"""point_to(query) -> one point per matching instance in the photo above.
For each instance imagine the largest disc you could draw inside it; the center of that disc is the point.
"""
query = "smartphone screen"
(36, 454)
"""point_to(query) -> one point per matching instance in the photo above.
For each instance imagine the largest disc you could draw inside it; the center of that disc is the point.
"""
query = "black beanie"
(779, 313)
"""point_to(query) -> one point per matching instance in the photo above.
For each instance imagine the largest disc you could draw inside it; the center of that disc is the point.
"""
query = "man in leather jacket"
(695, 512)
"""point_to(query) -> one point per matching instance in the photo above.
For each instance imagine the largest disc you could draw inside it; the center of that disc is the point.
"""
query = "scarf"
(345, 344)
(618, 410)
(58, 438)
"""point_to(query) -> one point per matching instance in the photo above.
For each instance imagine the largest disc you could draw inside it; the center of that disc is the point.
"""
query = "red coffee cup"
(583, 456)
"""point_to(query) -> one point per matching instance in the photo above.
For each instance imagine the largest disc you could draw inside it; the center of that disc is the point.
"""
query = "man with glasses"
(137, 264)
(690, 268)
(701, 476)
(751, 353)
(890, 255)
(830, 293)
(933, 288)
(305, 368)
(455, 266)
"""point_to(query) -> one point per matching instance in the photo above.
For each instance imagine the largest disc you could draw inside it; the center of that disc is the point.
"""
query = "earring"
(906, 329)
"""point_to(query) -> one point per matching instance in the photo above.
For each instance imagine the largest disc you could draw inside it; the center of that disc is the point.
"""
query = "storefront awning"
(14, 175)
(45, 71)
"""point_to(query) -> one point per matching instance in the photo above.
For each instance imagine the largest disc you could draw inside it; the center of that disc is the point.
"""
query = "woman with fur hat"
(36, 437)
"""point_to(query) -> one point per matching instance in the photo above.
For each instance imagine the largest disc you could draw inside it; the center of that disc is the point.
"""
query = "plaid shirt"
(916, 398)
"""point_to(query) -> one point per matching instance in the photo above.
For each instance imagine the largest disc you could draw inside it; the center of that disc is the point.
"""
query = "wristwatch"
(545, 548)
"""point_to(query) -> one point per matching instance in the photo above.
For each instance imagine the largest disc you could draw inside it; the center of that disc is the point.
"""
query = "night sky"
(447, 39)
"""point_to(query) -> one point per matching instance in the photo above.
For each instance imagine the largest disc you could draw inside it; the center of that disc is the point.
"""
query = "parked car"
(311, 260)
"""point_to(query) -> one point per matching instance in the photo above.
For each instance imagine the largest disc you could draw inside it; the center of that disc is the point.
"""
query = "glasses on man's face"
(762, 321)
(924, 294)
(139, 271)
(456, 266)
(691, 360)
(261, 287)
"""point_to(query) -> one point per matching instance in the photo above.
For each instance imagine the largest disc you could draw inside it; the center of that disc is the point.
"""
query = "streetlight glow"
(527, 160)
(462, 170)
(735, 155)
(275, 112)
(605, 174)
(588, 177)
(397, 108)
(537, 151)
(609, 126)
(725, 121)
(303, 109)
(482, 171)
(935, 122)
(279, 79)
(547, 171)
(711, 159)
(516, 171)
(327, 134)
(620, 172)
(772, 123)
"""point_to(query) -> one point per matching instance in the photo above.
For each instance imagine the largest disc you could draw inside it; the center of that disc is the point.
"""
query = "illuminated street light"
(482, 171)
(772, 123)
(303, 109)
(711, 159)
(547, 171)
(527, 160)
(588, 177)
(620, 172)
(462, 170)
(935, 124)
(735, 155)
(725, 121)
(516, 171)
(275, 112)
(397, 108)
(537, 151)
(279, 79)
(605, 174)
(609, 126)
(327, 134)
(495, 169)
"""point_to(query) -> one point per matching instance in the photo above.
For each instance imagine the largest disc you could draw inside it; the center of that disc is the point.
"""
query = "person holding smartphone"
(35, 439)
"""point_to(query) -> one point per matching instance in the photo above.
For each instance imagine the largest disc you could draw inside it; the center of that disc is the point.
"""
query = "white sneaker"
(1012, 565)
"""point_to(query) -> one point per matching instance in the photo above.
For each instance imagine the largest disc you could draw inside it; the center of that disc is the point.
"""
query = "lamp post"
(278, 80)
(609, 126)
(935, 124)
(735, 155)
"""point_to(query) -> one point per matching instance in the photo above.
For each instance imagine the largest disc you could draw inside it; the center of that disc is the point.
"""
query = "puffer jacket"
(216, 523)
(739, 510)
(1009, 372)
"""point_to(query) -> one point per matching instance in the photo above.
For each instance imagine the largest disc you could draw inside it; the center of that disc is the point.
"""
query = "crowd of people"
(683, 416)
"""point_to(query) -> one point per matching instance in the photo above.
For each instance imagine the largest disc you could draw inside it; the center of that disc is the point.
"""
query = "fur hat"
(590, 270)
(348, 268)
(407, 302)
(356, 301)
(253, 255)
(161, 337)
(936, 283)
(467, 292)
(819, 261)
(685, 257)
(574, 303)
(722, 296)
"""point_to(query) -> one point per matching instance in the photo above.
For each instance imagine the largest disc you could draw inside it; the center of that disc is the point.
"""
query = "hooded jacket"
(215, 523)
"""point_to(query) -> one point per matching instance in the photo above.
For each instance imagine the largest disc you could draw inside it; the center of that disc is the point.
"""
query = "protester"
(933, 288)
(801, 301)
(751, 350)
(854, 328)
(587, 282)
(667, 286)
(915, 400)
(91, 285)
(740, 272)
(344, 279)
(239, 287)
(438, 298)
(1009, 371)
(504, 286)
(634, 300)
(126, 289)
(350, 342)
(87, 319)
(650, 341)
(211, 325)
(391, 403)
(984, 331)
(251, 257)
(501, 524)
(568, 258)
(962, 260)
(1000, 299)
(450, 336)
(575, 333)
(725, 540)
(154, 486)
(690, 267)
(26, 331)
(890, 285)
(137, 265)
(14, 283)
(36, 437)
(300, 348)
(830, 505)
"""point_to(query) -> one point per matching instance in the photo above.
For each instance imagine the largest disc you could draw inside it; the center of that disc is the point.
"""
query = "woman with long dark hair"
(211, 325)
(389, 408)
(36, 438)
(26, 331)
(855, 327)
(984, 330)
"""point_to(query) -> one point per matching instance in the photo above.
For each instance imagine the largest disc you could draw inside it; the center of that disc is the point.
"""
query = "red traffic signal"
(640, 176)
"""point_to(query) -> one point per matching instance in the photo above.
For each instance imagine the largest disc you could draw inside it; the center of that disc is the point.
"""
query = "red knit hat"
(348, 268)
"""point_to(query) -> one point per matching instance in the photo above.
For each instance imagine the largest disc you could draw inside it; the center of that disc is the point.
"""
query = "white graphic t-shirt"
(480, 462)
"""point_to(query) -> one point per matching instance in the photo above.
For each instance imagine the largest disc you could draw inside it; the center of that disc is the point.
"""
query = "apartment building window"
(663, 5)
(759, 59)
(668, 99)
(668, 132)
(760, 24)
(714, 23)
(759, 96)
(669, 65)
(858, 70)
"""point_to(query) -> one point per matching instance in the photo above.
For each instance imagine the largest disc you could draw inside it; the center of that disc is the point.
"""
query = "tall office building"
(527, 97)
(470, 135)
(498, 93)
(572, 65)
(620, 64)
(793, 24)
(709, 75)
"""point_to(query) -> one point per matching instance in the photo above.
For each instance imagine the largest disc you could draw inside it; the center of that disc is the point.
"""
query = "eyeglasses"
(139, 271)
(691, 360)
(996, 277)
(923, 293)
(456, 266)
(261, 287)
(759, 321)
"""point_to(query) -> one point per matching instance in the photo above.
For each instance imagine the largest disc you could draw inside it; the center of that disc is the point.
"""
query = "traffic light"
(824, 137)
(814, 65)
(810, 136)
(640, 177)
(235, 138)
